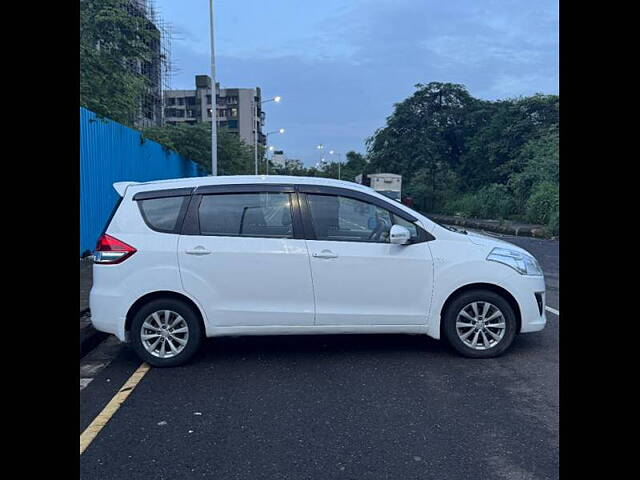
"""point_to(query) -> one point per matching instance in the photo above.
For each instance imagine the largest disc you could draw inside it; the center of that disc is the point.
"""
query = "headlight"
(521, 263)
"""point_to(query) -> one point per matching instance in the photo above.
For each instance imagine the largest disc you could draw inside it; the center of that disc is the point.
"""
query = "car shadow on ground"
(383, 345)
(313, 345)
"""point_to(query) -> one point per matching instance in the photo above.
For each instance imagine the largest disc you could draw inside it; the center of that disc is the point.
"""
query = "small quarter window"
(162, 214)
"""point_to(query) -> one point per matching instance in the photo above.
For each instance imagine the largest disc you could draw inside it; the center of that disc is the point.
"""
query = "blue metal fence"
(111, 152)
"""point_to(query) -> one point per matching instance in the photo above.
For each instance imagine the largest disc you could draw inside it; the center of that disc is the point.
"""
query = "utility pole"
(255, 133)
(214, 109)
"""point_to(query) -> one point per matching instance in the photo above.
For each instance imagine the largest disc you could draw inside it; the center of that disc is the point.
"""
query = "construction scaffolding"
(158, 69)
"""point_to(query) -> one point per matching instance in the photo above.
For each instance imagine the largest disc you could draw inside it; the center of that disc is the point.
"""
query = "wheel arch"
(162, 294)
(483, 286)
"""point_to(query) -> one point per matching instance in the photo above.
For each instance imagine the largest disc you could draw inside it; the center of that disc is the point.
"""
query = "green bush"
(554, 223)
(462, 205)
(495, 201)
(543, 203)
(491, 201)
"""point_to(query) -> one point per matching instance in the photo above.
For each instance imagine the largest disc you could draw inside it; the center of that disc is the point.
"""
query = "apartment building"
(234, 106)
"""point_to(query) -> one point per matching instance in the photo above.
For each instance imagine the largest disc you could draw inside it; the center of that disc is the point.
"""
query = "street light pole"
(270, 149)
(280, 130)
(214, 123)
(320, 147)
(276, 99)
(331, 152)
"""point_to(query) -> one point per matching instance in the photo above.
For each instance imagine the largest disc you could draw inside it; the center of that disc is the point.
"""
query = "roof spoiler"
(121, 187)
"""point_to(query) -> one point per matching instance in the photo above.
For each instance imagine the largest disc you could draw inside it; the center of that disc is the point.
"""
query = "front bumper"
(532, 313)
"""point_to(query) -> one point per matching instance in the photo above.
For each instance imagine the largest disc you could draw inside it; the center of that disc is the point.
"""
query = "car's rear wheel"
(479, 324)
(166, 332)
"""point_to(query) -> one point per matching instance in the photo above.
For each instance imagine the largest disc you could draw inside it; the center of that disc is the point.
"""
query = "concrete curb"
(520, 230)
(89, 337)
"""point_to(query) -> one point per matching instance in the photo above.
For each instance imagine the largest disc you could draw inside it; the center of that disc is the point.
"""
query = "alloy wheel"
(164, 334)
(480, 325)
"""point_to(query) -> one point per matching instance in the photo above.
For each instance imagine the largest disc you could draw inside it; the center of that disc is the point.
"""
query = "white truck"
(388, 184)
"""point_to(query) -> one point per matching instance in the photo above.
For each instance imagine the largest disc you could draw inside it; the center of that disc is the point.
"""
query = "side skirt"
(316, 330)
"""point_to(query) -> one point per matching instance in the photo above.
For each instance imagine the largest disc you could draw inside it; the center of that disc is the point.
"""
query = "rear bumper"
(106, 312)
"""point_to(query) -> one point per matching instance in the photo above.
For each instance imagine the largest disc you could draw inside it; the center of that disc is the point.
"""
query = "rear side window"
(246, 215)
(161, 214)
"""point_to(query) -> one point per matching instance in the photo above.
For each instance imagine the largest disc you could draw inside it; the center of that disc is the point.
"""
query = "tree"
(460, 154)
(235, 157)
(498, 133)
(113, 38)
(354, 165)
(292, 166)
(537, 162)
(426, 128)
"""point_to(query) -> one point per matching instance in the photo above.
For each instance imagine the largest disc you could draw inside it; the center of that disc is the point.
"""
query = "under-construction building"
(157, 69)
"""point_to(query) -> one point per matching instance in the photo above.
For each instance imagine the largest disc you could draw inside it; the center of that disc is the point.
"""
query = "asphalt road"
(325, 407)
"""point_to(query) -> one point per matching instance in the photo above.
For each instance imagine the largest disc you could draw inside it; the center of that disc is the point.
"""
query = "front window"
(339, 218)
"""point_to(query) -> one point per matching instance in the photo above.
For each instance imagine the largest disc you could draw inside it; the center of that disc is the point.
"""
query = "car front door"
(242, 255)
(360, 278)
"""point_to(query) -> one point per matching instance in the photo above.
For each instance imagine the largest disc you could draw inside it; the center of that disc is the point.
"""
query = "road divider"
(112, 407)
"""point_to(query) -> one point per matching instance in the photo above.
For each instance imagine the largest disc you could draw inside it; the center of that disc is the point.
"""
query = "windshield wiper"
(454, 229)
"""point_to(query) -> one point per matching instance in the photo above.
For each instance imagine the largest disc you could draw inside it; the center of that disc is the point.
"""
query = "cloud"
(341, 67)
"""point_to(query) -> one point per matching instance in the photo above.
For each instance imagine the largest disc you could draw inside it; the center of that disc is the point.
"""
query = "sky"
(341, 65)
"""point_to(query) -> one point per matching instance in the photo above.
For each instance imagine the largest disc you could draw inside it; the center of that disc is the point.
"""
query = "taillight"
(111, 250)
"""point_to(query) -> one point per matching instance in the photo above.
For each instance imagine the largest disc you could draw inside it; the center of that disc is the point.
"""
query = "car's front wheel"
(166, 332)
(479, 324)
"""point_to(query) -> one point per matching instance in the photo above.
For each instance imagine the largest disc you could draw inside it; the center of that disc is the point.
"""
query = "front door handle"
(325, 254)
(199, 250)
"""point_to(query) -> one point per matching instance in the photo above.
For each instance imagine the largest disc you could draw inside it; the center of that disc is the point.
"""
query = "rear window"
(161, 214)
(246, 215)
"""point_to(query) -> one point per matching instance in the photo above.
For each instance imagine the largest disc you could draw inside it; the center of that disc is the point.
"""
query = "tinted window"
(394, 195)
(162, 213)
(347, 219)
(246, 214)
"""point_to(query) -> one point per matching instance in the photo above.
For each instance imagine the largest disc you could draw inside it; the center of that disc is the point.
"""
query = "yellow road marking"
(112, 407)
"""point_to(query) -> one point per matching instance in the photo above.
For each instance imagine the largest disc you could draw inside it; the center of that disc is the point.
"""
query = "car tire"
(152, 323)
(461, 311)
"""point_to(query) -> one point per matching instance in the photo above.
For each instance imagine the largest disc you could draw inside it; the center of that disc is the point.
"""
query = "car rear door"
(359, 277)
(243, 256)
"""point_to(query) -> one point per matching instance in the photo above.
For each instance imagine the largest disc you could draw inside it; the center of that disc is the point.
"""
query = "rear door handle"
(198, 251)
(325, 254)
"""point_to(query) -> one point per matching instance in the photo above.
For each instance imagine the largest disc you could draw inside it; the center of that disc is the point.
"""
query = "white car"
(274, 255)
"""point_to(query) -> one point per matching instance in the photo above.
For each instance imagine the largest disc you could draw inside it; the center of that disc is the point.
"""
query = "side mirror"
(399, 235)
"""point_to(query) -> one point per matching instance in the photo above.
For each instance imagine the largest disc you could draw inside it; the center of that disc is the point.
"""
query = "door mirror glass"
(400, 235)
